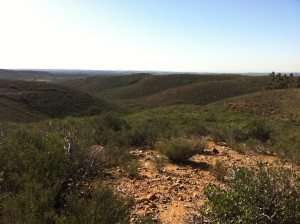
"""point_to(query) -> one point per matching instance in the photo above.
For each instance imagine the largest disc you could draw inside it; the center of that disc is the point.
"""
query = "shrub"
(102, 207)
(255, 195)
(33, 204)
(230, 132)
(146, 132)
(130, 168)
(219, 170)
(259, 129)
(38, 166)
(92, 161)
(107, 128)
(198, 129)
(159, 161)
(180, 149)
(28, 156)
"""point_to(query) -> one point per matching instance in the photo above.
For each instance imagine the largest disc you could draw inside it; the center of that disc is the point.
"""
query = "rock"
(175, 185)
(151, 196)
(215, 151)
(178, 181)
(140, 200)
(223, 144)
(152, 205)
(181, 187)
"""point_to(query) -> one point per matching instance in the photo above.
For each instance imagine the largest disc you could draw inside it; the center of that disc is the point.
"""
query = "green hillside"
(262, 120)
(31, 101)
(281, 105)
(145, 90)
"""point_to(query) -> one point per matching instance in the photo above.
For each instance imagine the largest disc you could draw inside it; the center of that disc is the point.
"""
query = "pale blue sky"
(170, 35)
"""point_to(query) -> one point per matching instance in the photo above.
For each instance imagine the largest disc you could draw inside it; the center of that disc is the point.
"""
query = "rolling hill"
(146, 90)
(37, 75)
(281, 105)
(31, 101)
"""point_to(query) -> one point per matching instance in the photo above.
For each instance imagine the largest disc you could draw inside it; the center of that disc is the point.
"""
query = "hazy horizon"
(151, 35)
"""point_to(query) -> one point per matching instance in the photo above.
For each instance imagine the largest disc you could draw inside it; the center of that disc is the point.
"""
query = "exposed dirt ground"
(172, 194)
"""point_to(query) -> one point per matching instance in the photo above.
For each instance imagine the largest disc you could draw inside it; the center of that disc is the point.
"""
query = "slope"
(145, 90)
(31, 101)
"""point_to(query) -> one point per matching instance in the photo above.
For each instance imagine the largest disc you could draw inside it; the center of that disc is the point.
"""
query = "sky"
(229, 36)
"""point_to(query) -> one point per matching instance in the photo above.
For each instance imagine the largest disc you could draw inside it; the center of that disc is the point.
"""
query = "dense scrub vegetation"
(140, 91)
(279, 81)
(32, 101)
(43, 167)
(266, 194)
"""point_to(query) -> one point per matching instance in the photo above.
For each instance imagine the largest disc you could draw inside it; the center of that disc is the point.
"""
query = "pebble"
(151, 196)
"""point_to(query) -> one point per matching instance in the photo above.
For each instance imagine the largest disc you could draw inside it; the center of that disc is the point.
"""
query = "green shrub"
(107, 128)
(198, 129)
(146, 132)
(180, 149)
(39, 163)
(259, 129)
(130, 168)
(102, 207)
(34, 204)
(28, 156)
(159, 161)
(230, 132)
(266, 194)
(219, 170)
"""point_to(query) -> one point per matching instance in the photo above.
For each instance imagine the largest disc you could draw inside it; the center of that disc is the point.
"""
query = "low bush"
(107, 129)
(180, 149)
(39, 164)
(130, 168)
(266, 194)
(230, 132)
(259, 129)
(146, 132)
(160, 162)
(102, 207)
(219, 170)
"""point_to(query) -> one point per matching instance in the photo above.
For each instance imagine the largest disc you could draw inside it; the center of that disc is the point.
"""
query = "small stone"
(151, 196)
(181, 187)
(140, 200)
(179, 181)
(152, 205)
(215, 151)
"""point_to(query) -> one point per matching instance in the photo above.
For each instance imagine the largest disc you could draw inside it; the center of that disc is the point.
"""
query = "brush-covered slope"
(145, 90)
(263, 120)
(202, 93)
(31, 101)
(282, 104)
